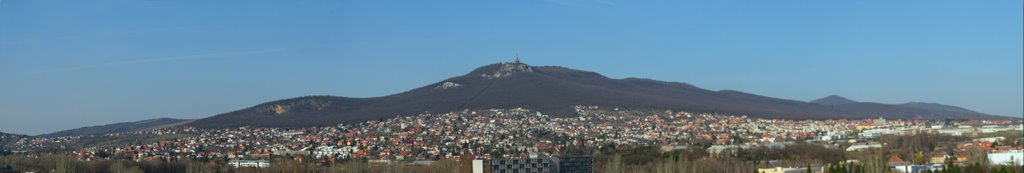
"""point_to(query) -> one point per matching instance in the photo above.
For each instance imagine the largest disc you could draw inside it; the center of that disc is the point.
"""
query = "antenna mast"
(517, 56)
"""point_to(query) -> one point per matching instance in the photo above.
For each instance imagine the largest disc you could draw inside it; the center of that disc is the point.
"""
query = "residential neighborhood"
(523, 134)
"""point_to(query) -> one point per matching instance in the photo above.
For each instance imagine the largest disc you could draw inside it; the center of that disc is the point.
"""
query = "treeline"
(608, 159)
(911, 147)
(798, 154)
(64, 164)
(651, 159)
(795, 154)
(617, 163)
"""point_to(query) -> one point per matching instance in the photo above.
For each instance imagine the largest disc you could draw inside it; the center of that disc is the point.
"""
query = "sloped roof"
(896, 159)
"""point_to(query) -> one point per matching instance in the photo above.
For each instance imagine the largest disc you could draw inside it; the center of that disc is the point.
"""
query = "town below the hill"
(521, 140)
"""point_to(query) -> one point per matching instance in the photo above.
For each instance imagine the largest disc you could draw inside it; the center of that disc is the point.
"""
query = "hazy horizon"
(75, 64)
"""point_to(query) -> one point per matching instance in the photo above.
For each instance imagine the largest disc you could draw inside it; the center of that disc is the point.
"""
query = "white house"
(250, 163)
(863, 146)
(1007, 158)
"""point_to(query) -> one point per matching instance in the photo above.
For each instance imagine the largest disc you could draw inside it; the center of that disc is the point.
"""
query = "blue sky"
(68, 64)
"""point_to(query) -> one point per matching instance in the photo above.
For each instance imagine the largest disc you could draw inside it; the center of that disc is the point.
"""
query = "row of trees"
(616, 164)
(653, 160)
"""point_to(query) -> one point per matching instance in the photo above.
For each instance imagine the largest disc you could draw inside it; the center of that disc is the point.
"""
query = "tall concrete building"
(535, 165)
(575, 164)
(526, 165)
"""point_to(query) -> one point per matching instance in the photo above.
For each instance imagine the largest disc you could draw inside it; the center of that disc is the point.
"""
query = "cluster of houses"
(496, 134)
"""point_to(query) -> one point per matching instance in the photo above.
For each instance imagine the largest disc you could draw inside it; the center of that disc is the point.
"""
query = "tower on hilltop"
(517, 57)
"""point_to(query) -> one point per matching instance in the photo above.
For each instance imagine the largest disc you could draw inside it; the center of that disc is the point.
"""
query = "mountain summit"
(833, 100)
(502, 70)
(551, 90)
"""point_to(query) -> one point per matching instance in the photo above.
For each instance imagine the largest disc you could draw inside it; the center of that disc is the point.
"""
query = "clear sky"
(69, 63)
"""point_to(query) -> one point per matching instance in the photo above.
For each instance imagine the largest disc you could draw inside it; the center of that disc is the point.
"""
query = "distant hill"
(4, 136)
(937, 107)
(906, 110)
(833, 100)
(549, 89)
(7, 139)
(120, 127)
